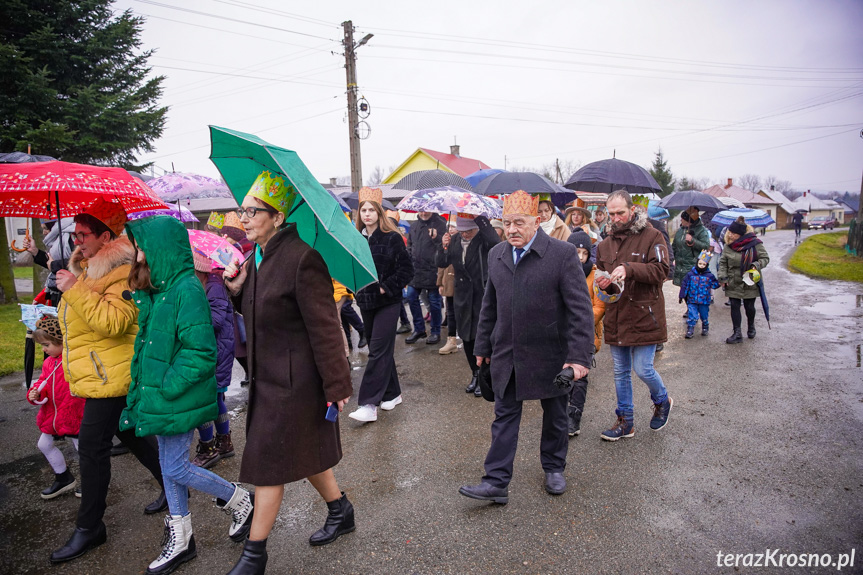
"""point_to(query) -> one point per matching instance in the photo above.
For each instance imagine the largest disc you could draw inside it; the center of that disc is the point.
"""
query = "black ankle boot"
(81, 541)
(63, 483)
(253, 561)
(750, 331)
(339, 521)
(157, 506)
(736, 337)
(472, 385)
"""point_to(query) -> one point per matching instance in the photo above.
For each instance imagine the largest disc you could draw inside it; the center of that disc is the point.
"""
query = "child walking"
(212, 448)
(61, 413)
(173, 386)
(577, 396)
(697, 289)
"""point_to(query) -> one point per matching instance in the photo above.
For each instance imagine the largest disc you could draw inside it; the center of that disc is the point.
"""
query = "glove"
(563, 380)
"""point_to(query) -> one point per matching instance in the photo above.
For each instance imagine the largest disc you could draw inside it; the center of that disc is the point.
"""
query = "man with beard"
(536, 320)
(636, 257)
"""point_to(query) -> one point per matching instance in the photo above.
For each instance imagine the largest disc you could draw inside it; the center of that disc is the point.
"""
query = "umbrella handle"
(39, 389)
(17, 249)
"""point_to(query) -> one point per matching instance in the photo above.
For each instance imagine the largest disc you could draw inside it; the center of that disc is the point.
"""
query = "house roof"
(786, 204)
(459, 164)
(852, 203)
(738, 193)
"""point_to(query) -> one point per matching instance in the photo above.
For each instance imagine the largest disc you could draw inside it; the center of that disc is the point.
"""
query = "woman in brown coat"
(297, 368)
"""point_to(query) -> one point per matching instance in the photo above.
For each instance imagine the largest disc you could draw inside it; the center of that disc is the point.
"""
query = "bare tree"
(343, 181)
(776, 184)
(550, 170)
(376, 177)
(750, 182)
(687, 183)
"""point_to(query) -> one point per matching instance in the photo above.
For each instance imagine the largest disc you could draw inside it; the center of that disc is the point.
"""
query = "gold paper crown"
(216, 220)
(521, 202)
(231, 220)
(641, 200)
(543, 197)
(109, 213)
(371, 195)
(273, 191)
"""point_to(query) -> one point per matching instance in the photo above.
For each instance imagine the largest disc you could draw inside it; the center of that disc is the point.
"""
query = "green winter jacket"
(686, 256)
(173, 387)
(729, 272)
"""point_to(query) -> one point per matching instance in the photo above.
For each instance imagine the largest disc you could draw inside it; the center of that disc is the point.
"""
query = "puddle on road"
(843, 304)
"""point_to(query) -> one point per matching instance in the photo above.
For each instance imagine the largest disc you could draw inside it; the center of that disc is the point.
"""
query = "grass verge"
(12, 342)
(824, 256)
(23, 273)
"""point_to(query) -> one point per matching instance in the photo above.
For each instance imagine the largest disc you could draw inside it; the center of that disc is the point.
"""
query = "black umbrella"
(606, 176)
(353, 202)
(764, 304)
(506, 183)
(684, 199)
(22, 157)
(427, 179)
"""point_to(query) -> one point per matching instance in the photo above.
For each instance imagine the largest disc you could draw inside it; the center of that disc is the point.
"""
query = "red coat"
(62, 413)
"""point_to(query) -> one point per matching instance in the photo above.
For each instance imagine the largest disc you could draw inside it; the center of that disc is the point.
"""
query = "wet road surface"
(763, 451)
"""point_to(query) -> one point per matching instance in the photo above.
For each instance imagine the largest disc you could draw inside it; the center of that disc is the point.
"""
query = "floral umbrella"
(220, 251)
(177, 186)
(450, 199)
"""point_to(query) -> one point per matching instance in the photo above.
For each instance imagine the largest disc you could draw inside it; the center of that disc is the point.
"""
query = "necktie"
(518, 253)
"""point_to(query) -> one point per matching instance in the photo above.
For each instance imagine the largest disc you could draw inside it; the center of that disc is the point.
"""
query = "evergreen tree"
(74, 82)
(663, 176)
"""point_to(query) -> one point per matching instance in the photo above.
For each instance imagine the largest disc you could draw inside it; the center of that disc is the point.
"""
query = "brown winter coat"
(446, 281)
(296, 363)
(638, 317)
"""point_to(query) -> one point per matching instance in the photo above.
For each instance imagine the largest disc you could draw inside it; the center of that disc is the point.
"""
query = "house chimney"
(333, 182)
(772, 188)
(805, 193)
(729, 183)
(454, 150)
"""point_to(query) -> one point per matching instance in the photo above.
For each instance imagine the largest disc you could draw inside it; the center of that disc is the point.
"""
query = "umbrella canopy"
(177, 186)
(450, 199)
(755, 218)
(181, 213)
(49, 189)
(342, 204)
(21, 157)
(319, 219)
(353, 201)
(480, 175)
(220, 251)
(685, 199)
(607, 176)
(506, 183)
(655, 212)
(427, 179)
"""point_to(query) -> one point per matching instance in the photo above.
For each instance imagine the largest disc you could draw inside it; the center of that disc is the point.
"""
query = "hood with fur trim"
(117, 252)
(635, 226)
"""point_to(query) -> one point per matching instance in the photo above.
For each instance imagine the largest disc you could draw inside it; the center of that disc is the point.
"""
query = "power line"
(766, 149)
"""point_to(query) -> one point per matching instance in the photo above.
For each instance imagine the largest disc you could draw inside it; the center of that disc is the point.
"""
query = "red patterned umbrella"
(42, 189)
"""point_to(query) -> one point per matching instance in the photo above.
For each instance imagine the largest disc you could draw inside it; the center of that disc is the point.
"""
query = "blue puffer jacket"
(697, 286)
(223, 327)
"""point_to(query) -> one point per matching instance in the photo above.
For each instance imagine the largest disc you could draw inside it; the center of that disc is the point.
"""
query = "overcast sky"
(725, 88)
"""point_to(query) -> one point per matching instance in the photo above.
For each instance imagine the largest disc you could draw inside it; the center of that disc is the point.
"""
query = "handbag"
(483, 379)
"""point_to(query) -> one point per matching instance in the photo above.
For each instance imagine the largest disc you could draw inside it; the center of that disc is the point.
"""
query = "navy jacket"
(535, 317)
(223, 325)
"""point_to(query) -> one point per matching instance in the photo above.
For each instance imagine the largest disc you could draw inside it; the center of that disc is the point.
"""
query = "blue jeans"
(640, 358)
(696, 310)
(179, 473)
(417, 310)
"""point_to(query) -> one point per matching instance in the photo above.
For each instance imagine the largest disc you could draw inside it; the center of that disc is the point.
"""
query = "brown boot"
(207, 455)
(224, 445)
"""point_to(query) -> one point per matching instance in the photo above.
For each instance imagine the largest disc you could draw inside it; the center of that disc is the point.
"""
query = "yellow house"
(425, 159)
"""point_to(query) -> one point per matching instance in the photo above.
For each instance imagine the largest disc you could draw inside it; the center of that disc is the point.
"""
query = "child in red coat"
(61, 413)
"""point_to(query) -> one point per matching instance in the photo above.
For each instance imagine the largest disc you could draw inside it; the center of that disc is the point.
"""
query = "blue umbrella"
(654, 212)
(755, 218)
(480, 175)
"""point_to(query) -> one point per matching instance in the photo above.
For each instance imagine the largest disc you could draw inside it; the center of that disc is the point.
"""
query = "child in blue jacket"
(697, 289)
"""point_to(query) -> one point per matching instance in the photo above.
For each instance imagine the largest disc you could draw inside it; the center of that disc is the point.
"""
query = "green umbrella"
(320, 221)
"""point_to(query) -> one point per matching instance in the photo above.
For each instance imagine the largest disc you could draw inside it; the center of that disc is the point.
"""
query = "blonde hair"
(384, 222)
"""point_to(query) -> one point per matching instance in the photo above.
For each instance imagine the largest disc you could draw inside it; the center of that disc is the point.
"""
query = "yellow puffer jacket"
(99, 326)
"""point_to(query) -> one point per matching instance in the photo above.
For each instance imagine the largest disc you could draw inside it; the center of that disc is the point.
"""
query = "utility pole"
(353, 116)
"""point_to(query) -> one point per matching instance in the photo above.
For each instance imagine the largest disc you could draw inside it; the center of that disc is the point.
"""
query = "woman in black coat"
(380, 304)
(467, 253)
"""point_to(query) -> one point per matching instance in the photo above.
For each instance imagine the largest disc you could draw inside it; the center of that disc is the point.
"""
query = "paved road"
(763, 451)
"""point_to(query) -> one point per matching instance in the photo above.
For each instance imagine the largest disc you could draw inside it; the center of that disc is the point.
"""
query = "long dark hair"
(139, 275)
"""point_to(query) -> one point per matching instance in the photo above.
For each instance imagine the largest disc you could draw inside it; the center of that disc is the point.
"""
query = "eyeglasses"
(79, 236)
(252, 212)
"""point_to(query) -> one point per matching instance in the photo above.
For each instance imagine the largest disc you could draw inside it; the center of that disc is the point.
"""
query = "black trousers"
(101, 419)
(450, 317)
(471, 358)
(380, 380)
(748, 306)
(350, 318)
(504, 436)
(403, 315)
(578, 393)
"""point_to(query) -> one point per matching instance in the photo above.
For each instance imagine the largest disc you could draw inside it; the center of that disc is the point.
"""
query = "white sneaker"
(388, 405)
(365, 413)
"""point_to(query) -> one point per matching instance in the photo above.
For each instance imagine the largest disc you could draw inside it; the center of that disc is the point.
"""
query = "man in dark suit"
(536, 320)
